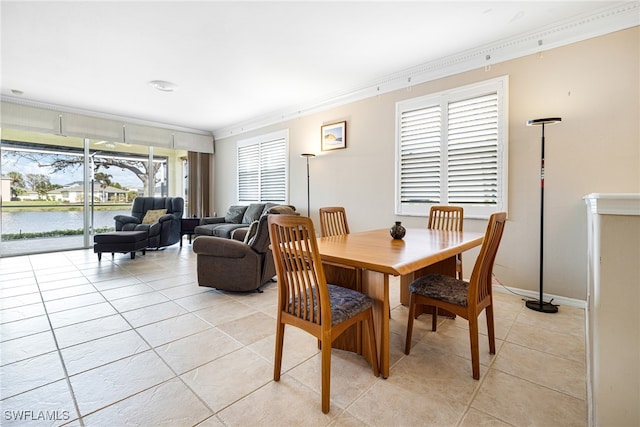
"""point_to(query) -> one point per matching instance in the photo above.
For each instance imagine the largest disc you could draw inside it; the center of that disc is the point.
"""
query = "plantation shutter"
(248, 172)
(420, 137)
(273, 167)
(262, 169)
(452, 149)
(472, 154)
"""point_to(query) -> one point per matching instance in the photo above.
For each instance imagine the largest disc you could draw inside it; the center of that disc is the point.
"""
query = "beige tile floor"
(137, 342)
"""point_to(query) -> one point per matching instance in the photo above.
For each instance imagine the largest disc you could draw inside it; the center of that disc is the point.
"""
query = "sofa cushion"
(153, 215)
(204, 230)
(281, 209)
(253, 212)
(268, 206)
(235, 214)
(223, 230)
(239, 233)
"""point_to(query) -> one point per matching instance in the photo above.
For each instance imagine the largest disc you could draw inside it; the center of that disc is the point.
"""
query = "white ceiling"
(238, 61)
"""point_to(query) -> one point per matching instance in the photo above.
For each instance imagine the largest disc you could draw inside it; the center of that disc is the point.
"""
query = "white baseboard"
(535, 295)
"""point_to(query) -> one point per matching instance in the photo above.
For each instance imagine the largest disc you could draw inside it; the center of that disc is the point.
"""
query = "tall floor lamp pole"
(540, 305)
(307, 156)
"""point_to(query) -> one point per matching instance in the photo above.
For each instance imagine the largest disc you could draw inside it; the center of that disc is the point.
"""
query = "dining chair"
(465, 299)
(333, 221)
(448, 218)
(307, 301)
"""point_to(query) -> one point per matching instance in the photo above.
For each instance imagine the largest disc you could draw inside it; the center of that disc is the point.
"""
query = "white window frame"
(261, 145)
(499, 86)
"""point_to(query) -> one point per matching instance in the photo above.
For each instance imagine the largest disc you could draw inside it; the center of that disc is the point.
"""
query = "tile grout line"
(493, 366)
(55, 339)
(80, 416)
(153, 349)
(484, 377)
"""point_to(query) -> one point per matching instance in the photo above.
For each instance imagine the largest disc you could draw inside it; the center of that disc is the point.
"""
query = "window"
(262, 168)
(451, 148)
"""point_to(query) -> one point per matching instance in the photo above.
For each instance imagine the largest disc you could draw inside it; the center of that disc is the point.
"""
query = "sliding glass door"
(43, 190)
(57, 192)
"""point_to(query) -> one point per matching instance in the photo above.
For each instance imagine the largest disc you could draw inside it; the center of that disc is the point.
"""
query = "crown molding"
(603, 21)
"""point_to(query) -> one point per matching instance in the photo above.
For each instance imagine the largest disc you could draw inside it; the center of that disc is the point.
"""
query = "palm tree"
(104, 180)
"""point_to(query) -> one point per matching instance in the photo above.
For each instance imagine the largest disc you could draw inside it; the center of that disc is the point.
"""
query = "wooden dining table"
(365, 260)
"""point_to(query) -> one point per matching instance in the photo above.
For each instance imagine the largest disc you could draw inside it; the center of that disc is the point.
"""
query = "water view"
(39, 221)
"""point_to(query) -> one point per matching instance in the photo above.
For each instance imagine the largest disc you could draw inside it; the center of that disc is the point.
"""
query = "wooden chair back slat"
(333, 221)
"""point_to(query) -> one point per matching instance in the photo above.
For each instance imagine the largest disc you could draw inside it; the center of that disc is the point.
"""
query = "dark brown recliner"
(232, 265)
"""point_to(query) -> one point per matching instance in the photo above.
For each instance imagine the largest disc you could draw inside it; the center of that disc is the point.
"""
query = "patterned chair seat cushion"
(440, 287)
(345, 303)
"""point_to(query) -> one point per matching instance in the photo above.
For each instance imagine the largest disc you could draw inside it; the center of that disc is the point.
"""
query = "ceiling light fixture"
(163, 86)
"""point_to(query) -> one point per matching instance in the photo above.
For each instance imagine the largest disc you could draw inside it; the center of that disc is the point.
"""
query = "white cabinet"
(613, 309)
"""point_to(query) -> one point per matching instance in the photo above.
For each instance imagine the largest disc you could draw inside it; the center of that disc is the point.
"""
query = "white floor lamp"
(307, 156)
(540, 305)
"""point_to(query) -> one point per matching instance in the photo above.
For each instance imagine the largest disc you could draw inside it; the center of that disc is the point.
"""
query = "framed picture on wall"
(334, 136)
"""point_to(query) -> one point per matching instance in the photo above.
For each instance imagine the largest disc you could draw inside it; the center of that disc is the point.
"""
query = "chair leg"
(491, 329)
(277, 363)
(372, 345)
(434, 319)
(326, 376)
(475, 347)
(412, 311)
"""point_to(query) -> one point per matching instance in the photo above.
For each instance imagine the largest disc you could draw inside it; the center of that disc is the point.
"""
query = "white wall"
(613, 344)
(593, 85)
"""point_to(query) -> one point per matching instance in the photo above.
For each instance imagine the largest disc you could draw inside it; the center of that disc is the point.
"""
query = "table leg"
(376, 285)
(353, 338)
(347, 277)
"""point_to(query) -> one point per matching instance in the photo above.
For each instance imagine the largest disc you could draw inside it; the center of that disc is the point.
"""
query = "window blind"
(249, 173)
(472, 151)
(451, 149)
(59, 121)
(262, 169)
(273, 167)
(420, 167)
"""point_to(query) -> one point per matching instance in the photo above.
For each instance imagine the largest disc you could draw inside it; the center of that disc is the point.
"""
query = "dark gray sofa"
(238, 217)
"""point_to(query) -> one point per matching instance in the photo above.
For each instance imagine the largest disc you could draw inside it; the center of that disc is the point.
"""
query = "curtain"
(200, 184)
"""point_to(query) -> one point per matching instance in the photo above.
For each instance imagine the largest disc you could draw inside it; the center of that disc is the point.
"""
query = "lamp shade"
(550, 120)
